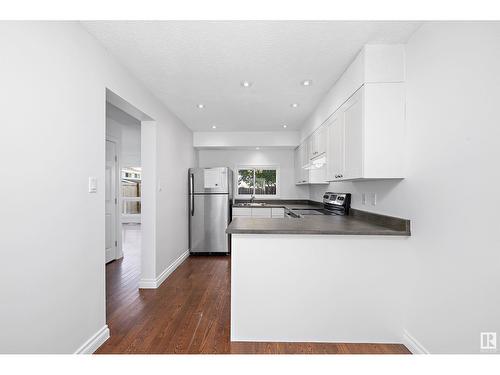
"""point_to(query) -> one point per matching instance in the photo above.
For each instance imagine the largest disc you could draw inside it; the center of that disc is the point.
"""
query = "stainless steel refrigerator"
(210, 195)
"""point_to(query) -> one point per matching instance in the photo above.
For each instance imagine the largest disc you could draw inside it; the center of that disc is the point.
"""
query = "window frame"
(258, 196)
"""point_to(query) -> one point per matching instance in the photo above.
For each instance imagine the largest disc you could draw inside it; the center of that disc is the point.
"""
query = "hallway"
(189, 313)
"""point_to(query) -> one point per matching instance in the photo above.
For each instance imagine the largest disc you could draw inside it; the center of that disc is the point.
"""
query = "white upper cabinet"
(367, 134)
(352, 111)
(301, 163)
(304, 154)
(296, 165)
(317, 142)
(363, 131)
(335, 146)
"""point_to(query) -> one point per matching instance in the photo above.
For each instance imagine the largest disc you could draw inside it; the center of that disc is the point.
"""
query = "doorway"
(123, 182)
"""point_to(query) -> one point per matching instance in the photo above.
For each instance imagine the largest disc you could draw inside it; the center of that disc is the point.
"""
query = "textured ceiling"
(185, 63)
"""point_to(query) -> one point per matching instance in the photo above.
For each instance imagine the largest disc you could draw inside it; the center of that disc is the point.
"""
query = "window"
(131, 194)
(258, 181)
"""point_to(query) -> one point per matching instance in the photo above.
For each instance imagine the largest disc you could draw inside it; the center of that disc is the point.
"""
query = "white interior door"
(111, 201)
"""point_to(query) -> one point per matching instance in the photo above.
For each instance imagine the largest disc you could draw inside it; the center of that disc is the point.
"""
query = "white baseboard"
(92, 344)
(413, 345)
(155, 283)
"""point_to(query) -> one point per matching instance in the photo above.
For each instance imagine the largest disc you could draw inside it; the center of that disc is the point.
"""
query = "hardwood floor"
(190, 313)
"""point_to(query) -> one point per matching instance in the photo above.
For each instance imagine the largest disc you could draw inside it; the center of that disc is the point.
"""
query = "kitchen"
(362, 138)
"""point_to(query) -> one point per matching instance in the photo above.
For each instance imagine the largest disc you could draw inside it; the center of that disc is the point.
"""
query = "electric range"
(333, 204)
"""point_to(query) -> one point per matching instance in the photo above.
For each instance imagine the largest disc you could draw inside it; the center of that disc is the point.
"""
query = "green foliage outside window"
(256, 181)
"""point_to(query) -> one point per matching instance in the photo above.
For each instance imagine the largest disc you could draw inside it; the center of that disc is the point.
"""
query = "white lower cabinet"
(259, 212)
(242, 211)
(277, 212)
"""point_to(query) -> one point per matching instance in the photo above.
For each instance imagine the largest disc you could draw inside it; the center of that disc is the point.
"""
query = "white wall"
(52, 246)
(281, 158)
(127, 130)
(451, 193)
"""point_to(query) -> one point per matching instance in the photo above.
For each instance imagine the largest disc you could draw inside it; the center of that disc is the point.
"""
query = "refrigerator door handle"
(192, 193)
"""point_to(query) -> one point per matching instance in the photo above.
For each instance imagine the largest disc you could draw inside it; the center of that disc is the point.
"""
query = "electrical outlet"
(374, 199)
(363, 198)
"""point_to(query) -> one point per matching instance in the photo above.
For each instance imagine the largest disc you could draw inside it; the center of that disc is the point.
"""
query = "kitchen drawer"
(242, 211)
(261, 212)
(278, 212)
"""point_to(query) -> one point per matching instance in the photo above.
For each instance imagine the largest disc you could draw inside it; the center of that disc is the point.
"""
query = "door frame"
(150, 184)
(118, 206)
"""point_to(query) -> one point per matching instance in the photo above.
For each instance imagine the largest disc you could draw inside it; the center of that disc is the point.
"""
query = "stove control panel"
(337, 201)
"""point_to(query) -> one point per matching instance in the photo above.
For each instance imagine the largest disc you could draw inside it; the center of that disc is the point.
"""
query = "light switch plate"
(92, 184)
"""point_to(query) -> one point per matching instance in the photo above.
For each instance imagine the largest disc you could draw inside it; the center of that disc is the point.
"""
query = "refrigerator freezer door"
(208, 222)
(209, 180)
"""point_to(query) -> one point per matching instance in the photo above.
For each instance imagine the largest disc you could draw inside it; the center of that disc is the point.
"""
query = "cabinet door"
(242, 211)
(278, 212)
(311, 153)
(305, 154)
(335, 152)
(313, 143)
(321, 136)
(353, 133)
(304, 175)
(298, 165)
(261, 212)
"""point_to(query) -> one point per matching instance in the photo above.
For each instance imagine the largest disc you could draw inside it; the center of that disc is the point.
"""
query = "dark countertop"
(356, 223)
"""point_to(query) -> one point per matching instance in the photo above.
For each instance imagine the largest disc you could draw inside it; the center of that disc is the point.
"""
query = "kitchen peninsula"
(338, 279)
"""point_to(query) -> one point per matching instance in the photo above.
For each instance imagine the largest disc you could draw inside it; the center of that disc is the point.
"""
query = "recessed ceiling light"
(285, 126)
(246, 84)
(294, 105)
(201, 106)
(257, 148)
(214, 127)
(307, 82)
